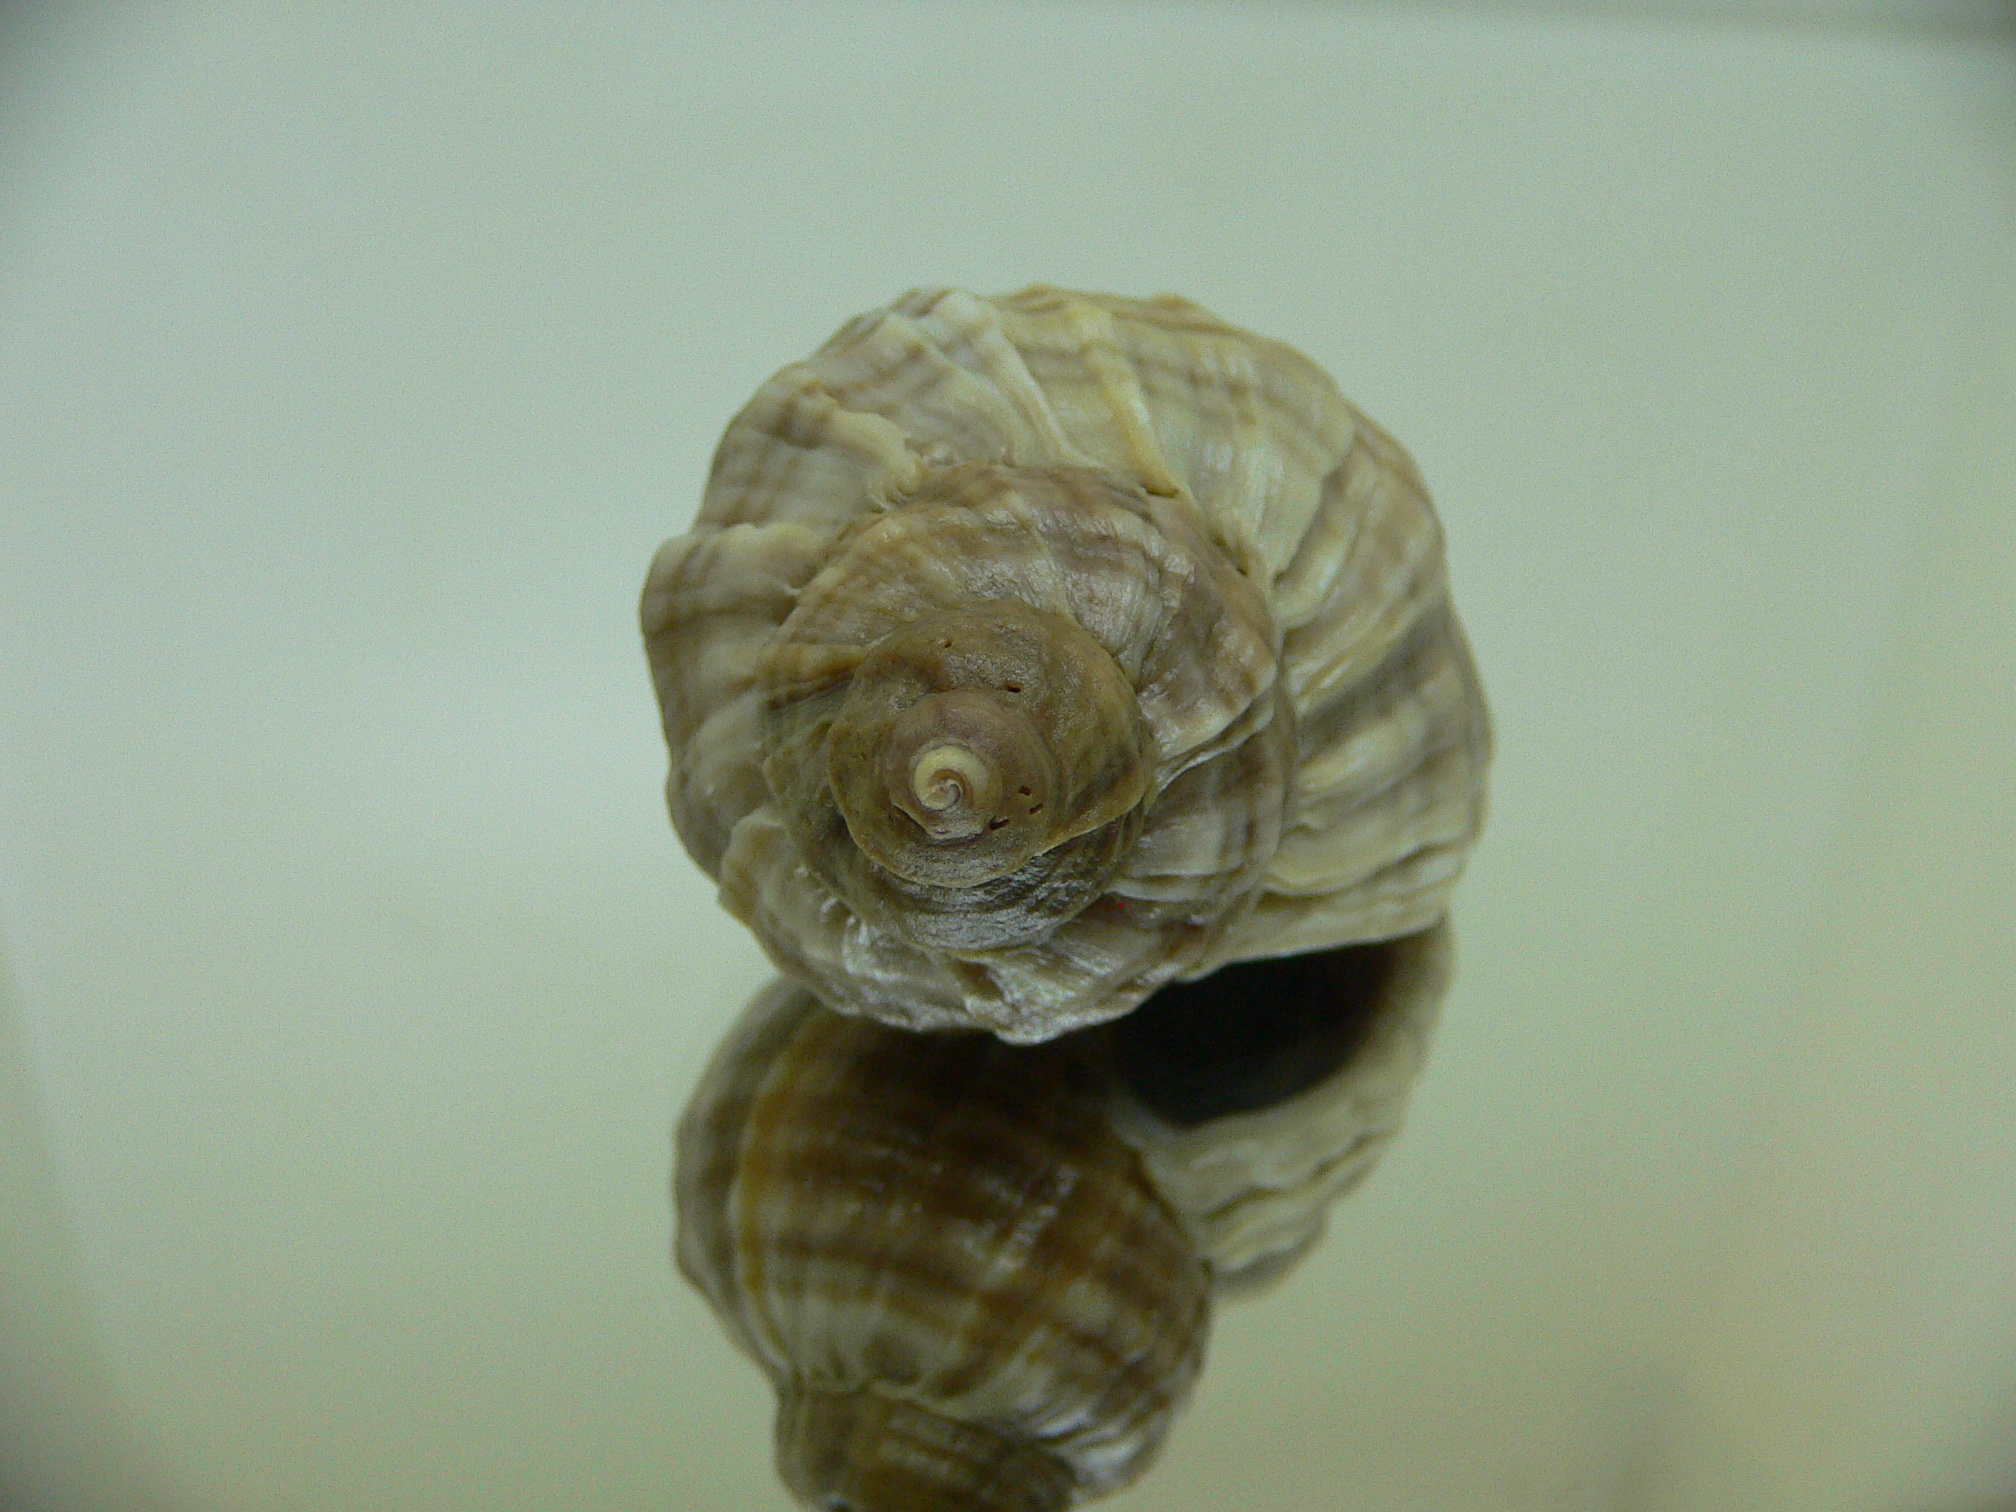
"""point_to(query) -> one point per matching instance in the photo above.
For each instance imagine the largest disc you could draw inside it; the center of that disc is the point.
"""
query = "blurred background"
(353, 361)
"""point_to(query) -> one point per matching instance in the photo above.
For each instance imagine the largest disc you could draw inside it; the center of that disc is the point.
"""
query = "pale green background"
(353, 360)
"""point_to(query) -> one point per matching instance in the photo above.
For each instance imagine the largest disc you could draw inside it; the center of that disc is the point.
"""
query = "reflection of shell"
(1031, 653)
(952, 1270)
(1263, 1093)
(978, 1275)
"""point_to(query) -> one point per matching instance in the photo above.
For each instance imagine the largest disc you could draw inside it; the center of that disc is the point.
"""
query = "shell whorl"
(1059, 629)
(971, 743)
(861, 1451)
(1185, 510)
(955, 1273)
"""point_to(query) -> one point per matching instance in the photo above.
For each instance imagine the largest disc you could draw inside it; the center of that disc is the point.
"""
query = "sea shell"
(1031, 653)
(952, 1269)
(1261, 1094)
(980, 1275)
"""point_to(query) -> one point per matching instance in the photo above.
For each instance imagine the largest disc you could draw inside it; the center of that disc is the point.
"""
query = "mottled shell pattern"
(1031, 653)
(953, 1270)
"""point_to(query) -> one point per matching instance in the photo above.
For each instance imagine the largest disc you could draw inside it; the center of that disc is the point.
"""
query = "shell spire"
(1031, 653)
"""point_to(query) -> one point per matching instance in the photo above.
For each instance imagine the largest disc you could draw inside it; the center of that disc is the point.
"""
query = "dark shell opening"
(1255, 1033)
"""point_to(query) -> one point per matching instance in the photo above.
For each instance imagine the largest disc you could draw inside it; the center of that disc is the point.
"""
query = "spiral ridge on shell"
(944, 1257)
(1031, 653)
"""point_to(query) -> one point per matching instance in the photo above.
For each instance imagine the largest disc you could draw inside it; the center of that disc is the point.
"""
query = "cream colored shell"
(954, 1272)
(1267, 733)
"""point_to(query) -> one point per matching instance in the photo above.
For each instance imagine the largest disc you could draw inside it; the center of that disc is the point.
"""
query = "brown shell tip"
(964, 765)
(976, 739)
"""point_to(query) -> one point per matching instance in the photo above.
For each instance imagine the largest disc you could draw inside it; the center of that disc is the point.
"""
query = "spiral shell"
(1031, 653)
(952, 1269)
